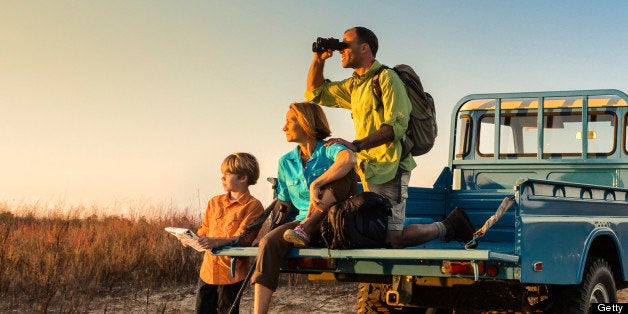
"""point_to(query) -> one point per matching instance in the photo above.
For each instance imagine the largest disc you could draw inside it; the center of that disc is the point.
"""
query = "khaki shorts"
(396, 191)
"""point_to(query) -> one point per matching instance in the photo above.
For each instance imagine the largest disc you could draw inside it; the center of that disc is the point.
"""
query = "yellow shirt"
(225, 219)
(378, 164)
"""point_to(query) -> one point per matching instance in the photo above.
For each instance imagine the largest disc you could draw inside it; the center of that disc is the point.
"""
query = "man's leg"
(396, 191)
(416, 234)
(456, 226)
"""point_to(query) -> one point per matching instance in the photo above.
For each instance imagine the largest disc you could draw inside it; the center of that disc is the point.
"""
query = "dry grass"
(66, 264)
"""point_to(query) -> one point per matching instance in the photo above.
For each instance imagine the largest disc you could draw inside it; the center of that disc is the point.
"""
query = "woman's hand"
(316, 202)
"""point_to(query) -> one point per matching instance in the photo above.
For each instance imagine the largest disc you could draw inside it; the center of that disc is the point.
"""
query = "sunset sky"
(109, 102)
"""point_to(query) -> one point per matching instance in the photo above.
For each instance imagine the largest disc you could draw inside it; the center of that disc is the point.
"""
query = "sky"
(104, 103)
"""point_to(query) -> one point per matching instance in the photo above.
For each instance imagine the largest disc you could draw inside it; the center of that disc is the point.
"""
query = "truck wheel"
(598, 286)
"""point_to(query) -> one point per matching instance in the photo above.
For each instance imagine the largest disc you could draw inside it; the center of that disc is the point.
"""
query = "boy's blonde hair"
(242, 164)
(312, 119)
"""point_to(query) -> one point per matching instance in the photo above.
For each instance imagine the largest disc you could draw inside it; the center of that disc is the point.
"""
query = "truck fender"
(594, 235)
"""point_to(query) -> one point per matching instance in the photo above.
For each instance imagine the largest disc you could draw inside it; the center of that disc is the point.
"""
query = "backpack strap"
(377, 89)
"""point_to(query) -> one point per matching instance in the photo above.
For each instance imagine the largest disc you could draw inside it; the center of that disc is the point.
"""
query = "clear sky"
(108, 102)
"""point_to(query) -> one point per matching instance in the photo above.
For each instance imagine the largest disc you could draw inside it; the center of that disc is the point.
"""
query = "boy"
(226, 217)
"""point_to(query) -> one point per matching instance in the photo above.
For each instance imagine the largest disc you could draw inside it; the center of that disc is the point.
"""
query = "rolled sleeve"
(282, 188)
(332, 150)
(397, 104)
(331, 94)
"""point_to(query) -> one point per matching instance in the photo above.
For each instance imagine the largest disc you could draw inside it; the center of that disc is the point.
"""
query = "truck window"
(463, 136)
(518, 135)
(563, 134)
(625, 139)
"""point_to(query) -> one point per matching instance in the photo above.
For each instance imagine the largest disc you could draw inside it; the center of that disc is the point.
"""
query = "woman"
(312, 177)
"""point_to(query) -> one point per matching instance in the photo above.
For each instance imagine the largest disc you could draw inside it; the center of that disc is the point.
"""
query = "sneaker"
(459, 227)
(297, 236)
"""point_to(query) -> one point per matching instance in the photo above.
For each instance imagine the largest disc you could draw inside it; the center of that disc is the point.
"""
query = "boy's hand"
(205, 242)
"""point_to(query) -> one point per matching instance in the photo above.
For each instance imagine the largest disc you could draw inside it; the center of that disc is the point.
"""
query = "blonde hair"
(242, 164)
(312, 119)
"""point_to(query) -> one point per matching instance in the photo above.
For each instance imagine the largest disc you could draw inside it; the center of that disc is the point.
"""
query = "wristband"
(356, 143)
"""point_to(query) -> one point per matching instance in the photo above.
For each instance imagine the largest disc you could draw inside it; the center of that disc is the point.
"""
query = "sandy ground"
(312, 297)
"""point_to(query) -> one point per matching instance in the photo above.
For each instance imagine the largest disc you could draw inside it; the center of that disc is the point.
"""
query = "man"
(379, 128)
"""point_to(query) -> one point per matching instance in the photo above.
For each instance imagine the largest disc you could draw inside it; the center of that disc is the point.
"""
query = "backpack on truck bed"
(422, 129)
(361, 221)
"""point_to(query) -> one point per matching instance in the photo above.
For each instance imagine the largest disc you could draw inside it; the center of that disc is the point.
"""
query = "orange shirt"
(225, 219)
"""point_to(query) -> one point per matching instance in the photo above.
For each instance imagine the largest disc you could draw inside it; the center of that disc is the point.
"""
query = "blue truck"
(562, 158)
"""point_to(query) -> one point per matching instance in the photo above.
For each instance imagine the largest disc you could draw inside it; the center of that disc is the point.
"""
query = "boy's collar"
(242, 199)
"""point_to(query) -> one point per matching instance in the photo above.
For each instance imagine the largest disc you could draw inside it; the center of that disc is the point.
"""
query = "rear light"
(538, 266)
(492, 271)
(462, 268)
(310, 263)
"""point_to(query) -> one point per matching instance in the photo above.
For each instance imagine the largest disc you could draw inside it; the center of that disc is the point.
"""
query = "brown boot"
(458, 226)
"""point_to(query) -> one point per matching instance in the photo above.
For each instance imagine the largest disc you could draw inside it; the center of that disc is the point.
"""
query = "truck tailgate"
(493, 251)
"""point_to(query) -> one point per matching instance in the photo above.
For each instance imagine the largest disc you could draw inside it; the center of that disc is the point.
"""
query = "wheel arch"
(603, 243)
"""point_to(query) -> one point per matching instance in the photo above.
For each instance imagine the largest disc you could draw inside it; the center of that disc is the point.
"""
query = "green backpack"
(422, 129)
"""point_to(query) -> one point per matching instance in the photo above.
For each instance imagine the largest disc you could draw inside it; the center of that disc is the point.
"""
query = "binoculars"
(323, 44)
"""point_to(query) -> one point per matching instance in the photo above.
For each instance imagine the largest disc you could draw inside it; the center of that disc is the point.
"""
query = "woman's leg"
(333, 192)
(315, 216)
(272, 249)
(263, 296)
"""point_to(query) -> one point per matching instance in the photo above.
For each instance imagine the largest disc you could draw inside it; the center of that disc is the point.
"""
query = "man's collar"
(376, 65)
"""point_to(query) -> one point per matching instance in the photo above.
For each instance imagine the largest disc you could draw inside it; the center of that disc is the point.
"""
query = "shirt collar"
(294, 154)
(376, 65)
(244, 198)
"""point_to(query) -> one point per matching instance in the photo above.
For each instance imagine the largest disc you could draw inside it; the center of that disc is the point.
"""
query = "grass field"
(67, 264)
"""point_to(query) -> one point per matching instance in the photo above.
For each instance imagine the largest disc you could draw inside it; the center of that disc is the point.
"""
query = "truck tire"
(598, 286)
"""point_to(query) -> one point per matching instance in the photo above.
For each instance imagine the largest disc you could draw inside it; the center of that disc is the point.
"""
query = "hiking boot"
(458, 227)
(297, 236)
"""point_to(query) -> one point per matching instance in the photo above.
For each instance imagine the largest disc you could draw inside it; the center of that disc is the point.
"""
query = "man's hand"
(322, 56)
(341, 141)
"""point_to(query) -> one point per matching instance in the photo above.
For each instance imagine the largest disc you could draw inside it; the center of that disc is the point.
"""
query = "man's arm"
(382, 136)
(315, 76)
